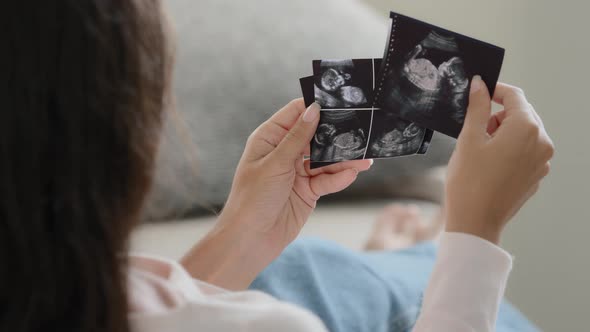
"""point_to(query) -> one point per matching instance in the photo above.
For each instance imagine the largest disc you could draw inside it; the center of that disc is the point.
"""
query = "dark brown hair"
(82, 88)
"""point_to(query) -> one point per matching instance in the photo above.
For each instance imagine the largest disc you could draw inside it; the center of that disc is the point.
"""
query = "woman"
(85, 85)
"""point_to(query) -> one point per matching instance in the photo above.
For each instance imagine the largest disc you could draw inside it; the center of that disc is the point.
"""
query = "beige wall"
(547, 53)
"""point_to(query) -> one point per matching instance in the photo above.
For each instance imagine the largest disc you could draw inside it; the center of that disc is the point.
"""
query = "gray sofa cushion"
(237, 63)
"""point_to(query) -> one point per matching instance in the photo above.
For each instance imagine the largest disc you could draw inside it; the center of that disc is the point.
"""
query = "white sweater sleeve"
(466, 286)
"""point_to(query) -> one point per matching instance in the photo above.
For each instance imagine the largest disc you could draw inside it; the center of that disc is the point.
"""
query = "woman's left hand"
(274, 190)
(273, 193)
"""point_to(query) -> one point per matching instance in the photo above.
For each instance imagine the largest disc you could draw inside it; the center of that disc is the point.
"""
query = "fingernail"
(476, 84)
(371, 161)
(311, 113)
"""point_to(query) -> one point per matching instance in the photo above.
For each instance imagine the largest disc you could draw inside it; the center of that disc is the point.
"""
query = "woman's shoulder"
(163, 297)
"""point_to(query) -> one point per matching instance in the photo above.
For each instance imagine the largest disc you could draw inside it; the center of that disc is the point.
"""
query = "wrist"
(476, 225)
(227, 257)
(255, 229)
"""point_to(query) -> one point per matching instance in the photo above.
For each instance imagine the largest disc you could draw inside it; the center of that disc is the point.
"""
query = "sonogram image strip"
(345, 131)
(426, 72)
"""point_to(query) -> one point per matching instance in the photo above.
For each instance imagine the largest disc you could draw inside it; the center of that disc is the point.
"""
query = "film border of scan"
(389, 51)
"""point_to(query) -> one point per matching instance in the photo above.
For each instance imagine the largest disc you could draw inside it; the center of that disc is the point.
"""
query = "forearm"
(226, 258)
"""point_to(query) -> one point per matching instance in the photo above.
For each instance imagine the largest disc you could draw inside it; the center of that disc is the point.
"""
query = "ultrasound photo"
(394, 137)
(384, 134)
(426, 72)
(344, 83)
(341, 135)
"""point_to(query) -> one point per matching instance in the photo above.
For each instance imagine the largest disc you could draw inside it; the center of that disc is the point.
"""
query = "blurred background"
(240, 61)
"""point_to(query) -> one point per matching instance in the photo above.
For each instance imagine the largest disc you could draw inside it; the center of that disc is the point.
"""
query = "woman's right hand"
(498, 162)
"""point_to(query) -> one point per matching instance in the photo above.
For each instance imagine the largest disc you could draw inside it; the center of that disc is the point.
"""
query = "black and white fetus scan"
(390, 107)
(341, 135)
(344, 83)
(393, 137)
(425, 76)
(350, 126)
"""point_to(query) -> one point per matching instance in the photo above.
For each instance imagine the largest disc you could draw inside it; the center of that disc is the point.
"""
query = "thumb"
(299, 136)
(325, 184)
(479, 109)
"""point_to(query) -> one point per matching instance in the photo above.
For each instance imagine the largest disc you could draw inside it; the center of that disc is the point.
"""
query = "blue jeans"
(361, 291)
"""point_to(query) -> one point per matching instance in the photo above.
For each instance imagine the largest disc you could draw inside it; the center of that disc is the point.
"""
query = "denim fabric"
(361, 291)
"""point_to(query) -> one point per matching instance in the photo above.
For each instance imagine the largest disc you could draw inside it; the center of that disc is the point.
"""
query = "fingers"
(288, 115)
(532, 191)
(544, 133)
(479, 109)
(270, 134)
(511, 97)
(493, 125)
(325, 184)
(546, 169)
(495, 121)
(516, 105)
(295, 142)
(537, 117)
(360, 165)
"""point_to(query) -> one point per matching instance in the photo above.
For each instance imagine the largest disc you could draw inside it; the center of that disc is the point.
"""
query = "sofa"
(237, 62)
